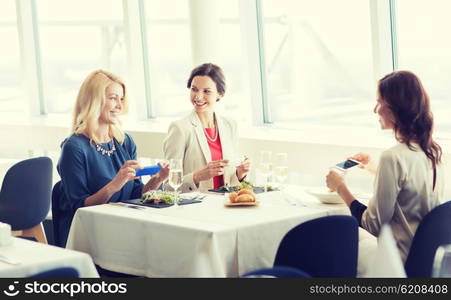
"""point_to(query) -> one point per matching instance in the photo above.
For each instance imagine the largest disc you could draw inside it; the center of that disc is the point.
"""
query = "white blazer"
(186, 140)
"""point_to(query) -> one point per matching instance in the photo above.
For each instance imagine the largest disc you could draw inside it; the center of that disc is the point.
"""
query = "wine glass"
(442, 262)
(266, 166)
(281, 168)
(175, 175)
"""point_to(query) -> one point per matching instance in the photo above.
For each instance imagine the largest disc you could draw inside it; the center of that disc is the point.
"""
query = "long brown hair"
(409, 103)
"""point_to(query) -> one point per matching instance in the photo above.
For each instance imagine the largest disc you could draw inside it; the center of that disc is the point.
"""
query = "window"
(77, 37)
(424, 47)
(169, 51)
(319, 68)
(12, 98)
(236, 102)
(170, 54)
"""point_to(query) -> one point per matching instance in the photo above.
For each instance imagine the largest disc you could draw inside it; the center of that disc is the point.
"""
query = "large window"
(318, 59)
(12, 98)
(424, 47)
(237, 102)
(77, 37)
(170, 54)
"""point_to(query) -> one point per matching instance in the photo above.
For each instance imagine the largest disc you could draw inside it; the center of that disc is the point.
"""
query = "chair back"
(434, 230)
(25, 193)
(56, 196)
(322, 247)
(278, 272)
(63, 272)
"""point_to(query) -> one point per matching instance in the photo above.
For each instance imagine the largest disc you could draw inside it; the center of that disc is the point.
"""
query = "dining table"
(204, 239)
(25, 258)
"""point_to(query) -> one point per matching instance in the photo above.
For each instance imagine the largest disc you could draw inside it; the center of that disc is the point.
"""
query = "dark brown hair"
(409, 103)
(214, 72)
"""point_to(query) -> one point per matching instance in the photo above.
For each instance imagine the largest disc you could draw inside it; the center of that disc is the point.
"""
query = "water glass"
(281, 167)
(266, 167)
(175, 175)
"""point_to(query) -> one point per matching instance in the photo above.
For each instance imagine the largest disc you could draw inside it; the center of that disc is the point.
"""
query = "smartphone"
(150, 170)
(349, 163)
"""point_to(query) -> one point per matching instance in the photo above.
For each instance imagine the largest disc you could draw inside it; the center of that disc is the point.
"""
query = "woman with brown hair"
(205, 140)
(409, 178)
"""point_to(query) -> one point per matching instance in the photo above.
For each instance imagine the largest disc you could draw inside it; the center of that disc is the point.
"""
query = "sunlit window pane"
(319, 62)
(424, 48)
(12, 98)
(170, 53)
(77, 37)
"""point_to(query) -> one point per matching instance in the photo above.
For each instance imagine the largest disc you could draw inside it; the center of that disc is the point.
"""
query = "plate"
(325, 196)
(257, 190)
(228, 203)
(148, 204)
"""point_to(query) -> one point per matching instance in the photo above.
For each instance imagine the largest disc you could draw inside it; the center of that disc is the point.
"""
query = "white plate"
(325, 196)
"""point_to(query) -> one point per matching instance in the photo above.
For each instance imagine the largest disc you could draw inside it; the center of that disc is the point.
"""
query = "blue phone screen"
(347, 164)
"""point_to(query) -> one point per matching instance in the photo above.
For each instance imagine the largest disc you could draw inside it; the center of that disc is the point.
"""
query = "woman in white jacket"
(205, 141)
(409, 179)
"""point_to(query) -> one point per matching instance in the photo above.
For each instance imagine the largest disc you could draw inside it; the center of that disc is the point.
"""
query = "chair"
(277, 272)
(56, 195)
(322, 247)
(434, 230)
(63, 272)
(25, 197)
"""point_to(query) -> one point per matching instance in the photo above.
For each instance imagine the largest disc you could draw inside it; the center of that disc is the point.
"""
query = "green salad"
(244, 185)
(159, 197)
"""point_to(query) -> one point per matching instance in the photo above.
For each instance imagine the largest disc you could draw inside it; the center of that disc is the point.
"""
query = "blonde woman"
(98, 161)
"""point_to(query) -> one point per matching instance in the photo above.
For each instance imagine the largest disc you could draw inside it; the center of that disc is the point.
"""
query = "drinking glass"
(175, 175)
(281, 168)
(442, 262)
(266, 166)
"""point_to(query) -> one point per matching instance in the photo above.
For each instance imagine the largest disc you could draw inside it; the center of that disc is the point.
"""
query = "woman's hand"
(163, 174)
(243, 168)
(212, 169)
(334, 180)
(366, 162)
(126, 173)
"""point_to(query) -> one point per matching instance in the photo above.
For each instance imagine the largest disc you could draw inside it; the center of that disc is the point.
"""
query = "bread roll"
(245, 198)
(246, 191)
(232, 197)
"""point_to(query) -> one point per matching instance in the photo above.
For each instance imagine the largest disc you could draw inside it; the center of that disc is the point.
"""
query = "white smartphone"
(347, 164)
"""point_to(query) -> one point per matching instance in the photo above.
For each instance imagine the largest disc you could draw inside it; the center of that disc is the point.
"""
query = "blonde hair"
(89, 104)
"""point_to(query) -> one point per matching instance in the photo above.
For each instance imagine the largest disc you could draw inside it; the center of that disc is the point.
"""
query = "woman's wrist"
(344, 193)
(240, 176)
(195, 178)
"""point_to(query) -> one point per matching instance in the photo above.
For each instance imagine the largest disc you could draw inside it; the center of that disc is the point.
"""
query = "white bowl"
(325, 196)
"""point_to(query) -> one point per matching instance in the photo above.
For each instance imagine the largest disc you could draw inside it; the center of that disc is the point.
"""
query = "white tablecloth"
(36, 257)
(198, 240)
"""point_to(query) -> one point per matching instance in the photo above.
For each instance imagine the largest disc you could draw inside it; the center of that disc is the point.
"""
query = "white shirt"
(403, 194)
